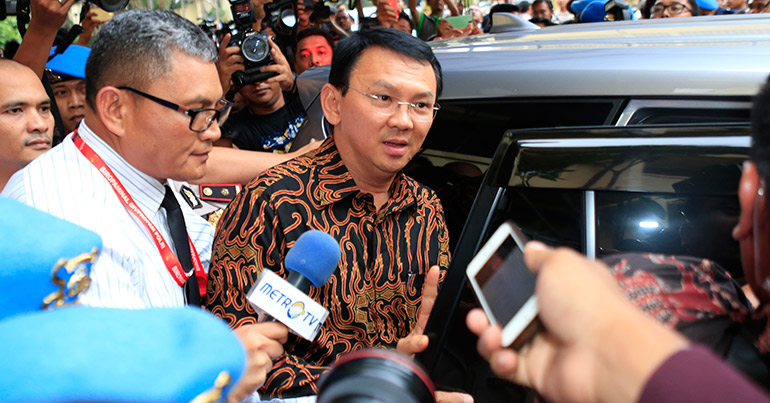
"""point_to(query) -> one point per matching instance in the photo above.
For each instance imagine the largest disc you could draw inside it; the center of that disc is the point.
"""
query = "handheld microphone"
(311, 261)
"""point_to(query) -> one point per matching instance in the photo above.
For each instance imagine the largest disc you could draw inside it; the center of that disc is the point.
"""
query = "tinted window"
(669, 224)
(650, 116)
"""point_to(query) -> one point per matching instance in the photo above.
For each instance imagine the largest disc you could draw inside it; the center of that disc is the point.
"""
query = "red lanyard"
(169, 258)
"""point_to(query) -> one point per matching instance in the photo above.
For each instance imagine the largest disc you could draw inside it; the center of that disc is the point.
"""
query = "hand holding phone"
(504, 285)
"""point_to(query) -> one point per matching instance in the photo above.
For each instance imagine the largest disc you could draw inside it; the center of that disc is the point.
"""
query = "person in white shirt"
(153, 109)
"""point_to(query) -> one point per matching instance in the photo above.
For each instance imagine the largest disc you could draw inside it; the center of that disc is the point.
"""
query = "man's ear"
(111, 107)
(330, 103)
(749, 188)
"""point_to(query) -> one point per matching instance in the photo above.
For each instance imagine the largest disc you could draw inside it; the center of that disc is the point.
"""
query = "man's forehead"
(18, 83)
(313, 41)
(69, 83)
(373, 71)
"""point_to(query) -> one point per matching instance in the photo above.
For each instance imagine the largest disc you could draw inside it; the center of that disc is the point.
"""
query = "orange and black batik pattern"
(374, 294)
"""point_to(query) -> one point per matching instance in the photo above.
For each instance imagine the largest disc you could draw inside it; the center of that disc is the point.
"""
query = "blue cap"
(82, 354)
(42, 257)
(707, 4)
(593, 12)
(69, 65)
(578, 6)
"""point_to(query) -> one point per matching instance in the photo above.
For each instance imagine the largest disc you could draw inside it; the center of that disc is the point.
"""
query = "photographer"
(273, 112)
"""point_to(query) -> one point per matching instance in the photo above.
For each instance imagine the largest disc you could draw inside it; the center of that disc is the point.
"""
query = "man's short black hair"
(760, 132)
(315, 31)
(536, 2)
(350, 49)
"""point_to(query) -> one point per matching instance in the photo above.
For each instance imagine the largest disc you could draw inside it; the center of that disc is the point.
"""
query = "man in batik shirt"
(381, 100)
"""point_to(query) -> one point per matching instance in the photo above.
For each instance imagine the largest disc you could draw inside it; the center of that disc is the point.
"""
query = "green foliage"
(8, 30)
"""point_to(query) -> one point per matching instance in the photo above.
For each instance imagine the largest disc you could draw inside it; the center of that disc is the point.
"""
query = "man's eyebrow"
(390, 86)
(202, 100)
(12, 104)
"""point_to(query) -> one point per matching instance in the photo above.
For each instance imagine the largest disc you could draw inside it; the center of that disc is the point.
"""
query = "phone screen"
(505, 281)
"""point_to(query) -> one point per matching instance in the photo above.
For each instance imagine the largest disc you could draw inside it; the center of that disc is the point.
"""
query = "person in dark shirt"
(273, 114)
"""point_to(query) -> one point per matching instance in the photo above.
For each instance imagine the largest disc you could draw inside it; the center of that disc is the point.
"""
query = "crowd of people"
(112, 136)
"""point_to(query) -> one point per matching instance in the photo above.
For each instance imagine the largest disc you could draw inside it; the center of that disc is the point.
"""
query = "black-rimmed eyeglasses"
(676, 8)
(200, 118)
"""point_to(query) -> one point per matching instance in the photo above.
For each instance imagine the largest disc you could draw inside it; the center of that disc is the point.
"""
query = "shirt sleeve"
(697, 375)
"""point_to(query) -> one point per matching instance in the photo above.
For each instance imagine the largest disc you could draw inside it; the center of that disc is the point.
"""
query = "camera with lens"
(254, 45)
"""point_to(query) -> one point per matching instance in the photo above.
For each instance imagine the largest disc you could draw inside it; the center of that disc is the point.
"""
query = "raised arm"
(47, 16)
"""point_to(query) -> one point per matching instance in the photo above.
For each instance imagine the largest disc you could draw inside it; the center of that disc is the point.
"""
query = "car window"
(667, 224)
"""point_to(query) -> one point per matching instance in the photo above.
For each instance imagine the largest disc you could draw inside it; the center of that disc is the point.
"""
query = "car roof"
(699, 56)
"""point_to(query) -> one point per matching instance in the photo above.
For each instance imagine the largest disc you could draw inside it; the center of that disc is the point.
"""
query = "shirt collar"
(332, 182)
(146, 191)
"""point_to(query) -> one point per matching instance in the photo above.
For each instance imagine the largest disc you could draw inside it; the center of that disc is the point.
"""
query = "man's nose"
(402, 117)
(212, 133)
(77, 99)
(38, 123)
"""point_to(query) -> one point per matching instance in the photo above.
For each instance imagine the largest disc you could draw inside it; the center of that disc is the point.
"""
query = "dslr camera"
(254, 45)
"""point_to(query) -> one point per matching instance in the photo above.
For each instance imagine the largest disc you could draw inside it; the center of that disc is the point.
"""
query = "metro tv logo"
(295, 310)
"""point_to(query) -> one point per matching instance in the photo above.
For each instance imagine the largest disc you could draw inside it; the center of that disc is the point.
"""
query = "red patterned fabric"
(694, 296)
(373, 296)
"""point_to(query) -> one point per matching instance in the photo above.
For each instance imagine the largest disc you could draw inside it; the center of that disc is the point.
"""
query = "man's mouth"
(38, 143)
(396, 147)
(77, 118)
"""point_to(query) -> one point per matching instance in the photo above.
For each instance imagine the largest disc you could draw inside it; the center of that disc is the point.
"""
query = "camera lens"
(255, 48)
(375, 376)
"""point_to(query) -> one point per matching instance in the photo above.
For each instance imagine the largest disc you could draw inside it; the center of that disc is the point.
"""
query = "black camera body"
(617, 10)
(254, 45)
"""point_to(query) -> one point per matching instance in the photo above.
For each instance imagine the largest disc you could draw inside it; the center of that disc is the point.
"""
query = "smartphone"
(504, 286)
(394, 5)
(460, 21)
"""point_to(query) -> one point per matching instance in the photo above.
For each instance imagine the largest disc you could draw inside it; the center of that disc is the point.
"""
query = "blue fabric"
(578, 6)
(89, 354)
(72, 62)
(707, 4)
(32, 244)
(593, 12)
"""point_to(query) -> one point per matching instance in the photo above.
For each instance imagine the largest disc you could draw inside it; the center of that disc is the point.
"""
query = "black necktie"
(179, 235)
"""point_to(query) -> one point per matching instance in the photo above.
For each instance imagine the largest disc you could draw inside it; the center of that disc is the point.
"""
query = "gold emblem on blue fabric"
(72, 278)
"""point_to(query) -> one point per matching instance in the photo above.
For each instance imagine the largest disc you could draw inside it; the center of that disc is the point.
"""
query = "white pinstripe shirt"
(129, 272)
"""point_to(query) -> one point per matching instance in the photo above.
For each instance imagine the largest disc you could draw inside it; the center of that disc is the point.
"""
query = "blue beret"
(83, 354)
(71, 64)
(42, 255)
(707, 4)
(594, 12)
(578, 6)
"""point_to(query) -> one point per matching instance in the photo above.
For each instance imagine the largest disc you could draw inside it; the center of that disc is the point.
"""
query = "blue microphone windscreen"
(315, 255)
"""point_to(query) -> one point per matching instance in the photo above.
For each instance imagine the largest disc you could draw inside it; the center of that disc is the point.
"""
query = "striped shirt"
(129, 272)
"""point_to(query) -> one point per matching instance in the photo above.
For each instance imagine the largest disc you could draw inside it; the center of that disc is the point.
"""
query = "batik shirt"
(374, 294)
(693, 296)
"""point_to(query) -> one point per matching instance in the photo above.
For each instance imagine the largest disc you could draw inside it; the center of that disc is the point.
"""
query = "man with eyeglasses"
(381, 101)
(674, 9)
(153, 109)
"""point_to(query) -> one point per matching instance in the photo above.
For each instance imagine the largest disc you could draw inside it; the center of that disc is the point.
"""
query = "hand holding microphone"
(311, 261)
